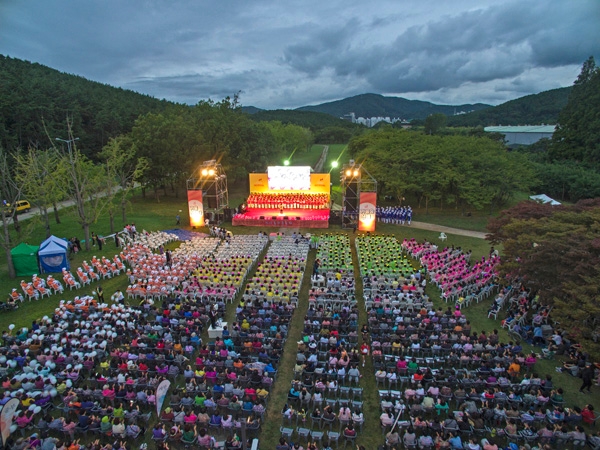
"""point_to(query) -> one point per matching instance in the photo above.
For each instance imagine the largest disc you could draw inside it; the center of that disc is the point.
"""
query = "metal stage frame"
(354, 180)
(212, 181)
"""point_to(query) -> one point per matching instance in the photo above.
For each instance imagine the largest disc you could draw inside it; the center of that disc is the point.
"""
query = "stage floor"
(291, 218)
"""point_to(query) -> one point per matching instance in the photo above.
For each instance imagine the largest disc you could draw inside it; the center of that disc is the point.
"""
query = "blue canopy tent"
(53, 255)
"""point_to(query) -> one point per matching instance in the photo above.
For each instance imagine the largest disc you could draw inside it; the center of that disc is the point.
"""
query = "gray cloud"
(288, 54)
(475, 46)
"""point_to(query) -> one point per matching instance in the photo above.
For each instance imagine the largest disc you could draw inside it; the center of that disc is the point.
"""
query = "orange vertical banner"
(366, 211)
(195, 208)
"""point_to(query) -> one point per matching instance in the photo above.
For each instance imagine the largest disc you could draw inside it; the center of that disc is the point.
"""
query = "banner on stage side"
(258, 183)
(366, 211)
(196, 209)
(320, 183)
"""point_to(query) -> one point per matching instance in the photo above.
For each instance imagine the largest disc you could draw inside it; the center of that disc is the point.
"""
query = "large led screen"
(289, 178)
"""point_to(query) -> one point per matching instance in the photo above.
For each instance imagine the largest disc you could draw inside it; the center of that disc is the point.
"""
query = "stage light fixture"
(356, 172)
(334, 164)
(204, 172)
(211, 172)
(286, 162)
(348, 173)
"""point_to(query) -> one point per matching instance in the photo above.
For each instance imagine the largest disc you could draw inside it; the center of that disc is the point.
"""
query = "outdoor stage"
(291, 218)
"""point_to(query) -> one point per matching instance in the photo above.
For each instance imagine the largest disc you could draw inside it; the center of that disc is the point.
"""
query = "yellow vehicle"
(20, 206)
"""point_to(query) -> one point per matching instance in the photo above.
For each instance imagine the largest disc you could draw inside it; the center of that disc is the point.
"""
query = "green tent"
(25, 259)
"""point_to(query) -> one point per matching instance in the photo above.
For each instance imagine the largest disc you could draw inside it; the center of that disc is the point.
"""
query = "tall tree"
(42, 179)
(555, 252)
(10, 192)
(124, 169)
(434, 123)
(577, 135)
(87, 184)
(290, 138)
(459, 171)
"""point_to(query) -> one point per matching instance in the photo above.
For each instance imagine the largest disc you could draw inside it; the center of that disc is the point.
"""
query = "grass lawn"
(450, 216)
(303, 157)
(150, 215)
(338, 153)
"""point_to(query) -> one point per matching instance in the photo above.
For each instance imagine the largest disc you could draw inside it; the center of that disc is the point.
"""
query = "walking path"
(432, 227)
(321, 162)
(447, 230)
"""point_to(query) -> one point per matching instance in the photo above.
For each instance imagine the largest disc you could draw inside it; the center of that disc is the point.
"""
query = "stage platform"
(291, 218)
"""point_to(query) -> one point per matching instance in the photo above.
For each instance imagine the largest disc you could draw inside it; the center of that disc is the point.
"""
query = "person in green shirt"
(105, 424)
(413, 366)
(199, 399)
(118, 411)
(189, 432)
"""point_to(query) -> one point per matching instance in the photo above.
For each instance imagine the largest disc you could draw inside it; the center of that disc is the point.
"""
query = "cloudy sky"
(290, 53)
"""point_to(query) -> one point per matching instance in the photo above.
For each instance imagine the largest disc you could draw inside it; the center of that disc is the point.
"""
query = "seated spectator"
(588, 414)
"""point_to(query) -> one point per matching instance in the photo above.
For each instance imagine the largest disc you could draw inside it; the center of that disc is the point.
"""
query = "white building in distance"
(523, 135)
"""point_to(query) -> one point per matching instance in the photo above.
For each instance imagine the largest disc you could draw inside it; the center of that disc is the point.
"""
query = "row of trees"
(555, 252)
(162, 150)
(567, 167)
(58, 173)
(176, 141)
(459, 171)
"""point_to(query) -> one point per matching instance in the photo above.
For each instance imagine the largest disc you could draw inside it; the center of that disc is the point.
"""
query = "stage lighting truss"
(212, 180)
(354, 180)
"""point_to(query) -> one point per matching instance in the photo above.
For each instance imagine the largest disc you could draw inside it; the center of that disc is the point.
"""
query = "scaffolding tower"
(354, 180)
(211, 179)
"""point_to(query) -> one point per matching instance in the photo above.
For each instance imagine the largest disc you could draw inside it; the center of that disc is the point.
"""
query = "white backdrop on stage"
(288, 178)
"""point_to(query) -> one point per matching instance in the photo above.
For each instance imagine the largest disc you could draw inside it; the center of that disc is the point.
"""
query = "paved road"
(35, 211)
(447, 230)
(319, 166)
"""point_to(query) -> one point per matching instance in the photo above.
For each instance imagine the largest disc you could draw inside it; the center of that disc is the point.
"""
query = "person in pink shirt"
(24, 419)
(190, 417)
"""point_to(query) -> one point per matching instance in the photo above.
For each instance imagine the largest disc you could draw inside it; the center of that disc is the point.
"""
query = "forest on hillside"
(33, 96)
(536, 109)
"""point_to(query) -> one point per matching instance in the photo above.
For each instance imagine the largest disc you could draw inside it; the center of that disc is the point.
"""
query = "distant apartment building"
(371, 121)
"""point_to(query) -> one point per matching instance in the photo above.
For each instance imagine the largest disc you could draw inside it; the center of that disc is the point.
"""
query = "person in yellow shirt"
(514, 369)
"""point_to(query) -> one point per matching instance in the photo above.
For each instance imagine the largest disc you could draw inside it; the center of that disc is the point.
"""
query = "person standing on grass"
(316, 266)
(587, 375)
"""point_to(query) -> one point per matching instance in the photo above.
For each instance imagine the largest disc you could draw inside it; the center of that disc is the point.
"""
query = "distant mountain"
(375, 105)
(533, 109)
(251, 109)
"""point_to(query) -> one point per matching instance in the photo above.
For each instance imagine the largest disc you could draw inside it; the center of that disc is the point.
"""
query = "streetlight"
(68, 142)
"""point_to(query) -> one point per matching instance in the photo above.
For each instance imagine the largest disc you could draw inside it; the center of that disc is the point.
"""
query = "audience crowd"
(93, 366)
